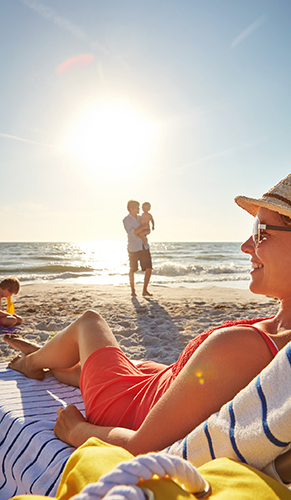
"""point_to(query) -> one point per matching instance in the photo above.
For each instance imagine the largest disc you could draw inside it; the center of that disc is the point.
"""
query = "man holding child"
(137, 250)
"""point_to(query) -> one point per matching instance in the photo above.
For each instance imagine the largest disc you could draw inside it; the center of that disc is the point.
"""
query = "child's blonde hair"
(146, 206)
(11, 284)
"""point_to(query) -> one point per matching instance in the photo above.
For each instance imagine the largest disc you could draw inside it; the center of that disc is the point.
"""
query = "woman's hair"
(11, 284)
(286, 220)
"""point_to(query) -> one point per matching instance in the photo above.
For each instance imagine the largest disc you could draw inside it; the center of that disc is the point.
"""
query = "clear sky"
(183, 103)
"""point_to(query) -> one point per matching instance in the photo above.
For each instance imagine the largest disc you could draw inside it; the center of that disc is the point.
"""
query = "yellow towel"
(228, 479)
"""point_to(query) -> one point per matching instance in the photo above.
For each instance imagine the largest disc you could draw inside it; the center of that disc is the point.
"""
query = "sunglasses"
(258, 230)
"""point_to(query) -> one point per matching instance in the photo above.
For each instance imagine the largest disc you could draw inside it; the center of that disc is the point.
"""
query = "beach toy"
(10, 306)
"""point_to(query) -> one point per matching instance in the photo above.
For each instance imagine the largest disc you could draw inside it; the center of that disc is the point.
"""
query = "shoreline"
(156, 328)
(81, 281)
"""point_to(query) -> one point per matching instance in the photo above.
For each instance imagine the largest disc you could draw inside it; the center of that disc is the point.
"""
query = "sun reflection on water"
(105, 257)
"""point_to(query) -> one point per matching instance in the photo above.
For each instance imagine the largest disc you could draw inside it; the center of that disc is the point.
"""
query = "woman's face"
(271, 259)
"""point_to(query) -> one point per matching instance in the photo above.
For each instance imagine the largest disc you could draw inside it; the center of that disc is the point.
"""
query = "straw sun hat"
(277, 199)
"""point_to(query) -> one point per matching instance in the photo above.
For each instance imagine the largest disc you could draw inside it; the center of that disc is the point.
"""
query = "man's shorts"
(143, 256)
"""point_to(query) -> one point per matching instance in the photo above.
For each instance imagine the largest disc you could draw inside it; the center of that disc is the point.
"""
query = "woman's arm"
(225, 363)
(72, 428)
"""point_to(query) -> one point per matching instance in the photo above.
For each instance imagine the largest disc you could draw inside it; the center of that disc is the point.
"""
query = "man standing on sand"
(136, 250)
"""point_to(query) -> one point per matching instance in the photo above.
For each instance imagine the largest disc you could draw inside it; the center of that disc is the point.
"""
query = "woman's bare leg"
(72, 345)
(20, 344)
(70, 376)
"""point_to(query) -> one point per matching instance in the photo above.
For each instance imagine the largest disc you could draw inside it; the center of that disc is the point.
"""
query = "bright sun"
(110, 137)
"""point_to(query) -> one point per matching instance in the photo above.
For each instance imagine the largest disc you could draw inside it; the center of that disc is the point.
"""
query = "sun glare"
(111, 138)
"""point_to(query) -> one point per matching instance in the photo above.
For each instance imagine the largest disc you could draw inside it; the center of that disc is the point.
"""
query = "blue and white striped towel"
(32, 458)
(255, 427)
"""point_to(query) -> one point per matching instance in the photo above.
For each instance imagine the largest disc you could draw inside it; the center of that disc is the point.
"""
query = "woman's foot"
(20, 344)
(24, 365)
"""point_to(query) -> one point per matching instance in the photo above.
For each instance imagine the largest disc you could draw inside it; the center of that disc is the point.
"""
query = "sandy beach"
(156, 328)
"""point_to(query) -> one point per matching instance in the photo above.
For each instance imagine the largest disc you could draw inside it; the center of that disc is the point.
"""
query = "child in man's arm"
(145, 219)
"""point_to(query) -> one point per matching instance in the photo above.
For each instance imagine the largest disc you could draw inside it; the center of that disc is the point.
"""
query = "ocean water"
(106, 262)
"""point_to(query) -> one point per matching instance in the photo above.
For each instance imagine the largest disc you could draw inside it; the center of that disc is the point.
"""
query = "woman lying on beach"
(148, 406)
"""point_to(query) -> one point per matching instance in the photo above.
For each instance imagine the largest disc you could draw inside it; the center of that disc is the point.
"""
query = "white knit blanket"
(31, 457)
(254, 428)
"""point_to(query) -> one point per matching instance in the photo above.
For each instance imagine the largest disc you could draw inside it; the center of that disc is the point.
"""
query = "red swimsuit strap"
(197, 341)
(271, 344)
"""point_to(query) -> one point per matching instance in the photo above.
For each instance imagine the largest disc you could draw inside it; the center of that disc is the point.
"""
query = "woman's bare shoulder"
(241, 341)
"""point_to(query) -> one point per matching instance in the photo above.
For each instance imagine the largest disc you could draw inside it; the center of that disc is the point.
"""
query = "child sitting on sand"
(146, 218)
(8, 287)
